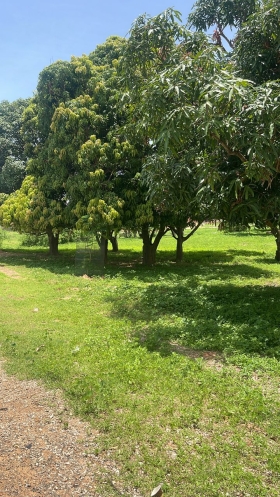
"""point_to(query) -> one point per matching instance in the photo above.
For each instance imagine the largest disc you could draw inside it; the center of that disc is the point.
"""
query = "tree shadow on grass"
(248, 234)
(267, 260)
(127, 259)
(216, 316)
(205, 264)
(193, 304)
(64, 263)
(128, 263)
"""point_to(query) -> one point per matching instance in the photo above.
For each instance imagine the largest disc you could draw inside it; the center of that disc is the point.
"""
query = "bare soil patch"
(44, 449)
(9, 272)
(4, 253)
(211, 358)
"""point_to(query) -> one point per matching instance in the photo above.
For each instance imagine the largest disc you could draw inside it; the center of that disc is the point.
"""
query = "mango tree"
(249, 110)
(58, 84)
(28, 210)
(195, 91)
(82, 124)
(173, 187)
(155, 47)
(90, 155)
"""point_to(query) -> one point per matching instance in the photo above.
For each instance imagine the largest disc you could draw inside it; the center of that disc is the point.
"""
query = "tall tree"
(90, 155)
(76, 158)
(249, 111)
(57, 83)
(193, 90)
(77, 145)
(157, 47)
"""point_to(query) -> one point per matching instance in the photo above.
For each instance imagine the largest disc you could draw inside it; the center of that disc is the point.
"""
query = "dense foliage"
(12, 154)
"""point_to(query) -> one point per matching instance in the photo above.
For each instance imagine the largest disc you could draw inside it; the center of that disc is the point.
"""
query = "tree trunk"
(277, 239)
(149, 254)
(115, 243)
(104, 249)
(53, 242)
(150, 246)
(179, 244)
(178, 234)
(276, 232)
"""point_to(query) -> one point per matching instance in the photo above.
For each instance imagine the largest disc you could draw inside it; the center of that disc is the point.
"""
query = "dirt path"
(44, 449)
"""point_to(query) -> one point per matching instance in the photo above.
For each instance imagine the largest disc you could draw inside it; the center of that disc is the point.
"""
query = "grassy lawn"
(177, 367)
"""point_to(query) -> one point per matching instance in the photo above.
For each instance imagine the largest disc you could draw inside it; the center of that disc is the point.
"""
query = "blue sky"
(36, 33)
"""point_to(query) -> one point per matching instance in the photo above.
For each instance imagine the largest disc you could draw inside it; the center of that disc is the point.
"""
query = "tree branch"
(228, 149)
(192, 231)
(221, 33)
(161, 232)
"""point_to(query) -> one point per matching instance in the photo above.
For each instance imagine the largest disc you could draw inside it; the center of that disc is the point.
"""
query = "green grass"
(177, 367)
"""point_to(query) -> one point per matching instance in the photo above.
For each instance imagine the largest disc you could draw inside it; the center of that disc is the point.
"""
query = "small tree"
(28, 210)
(173, 186)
